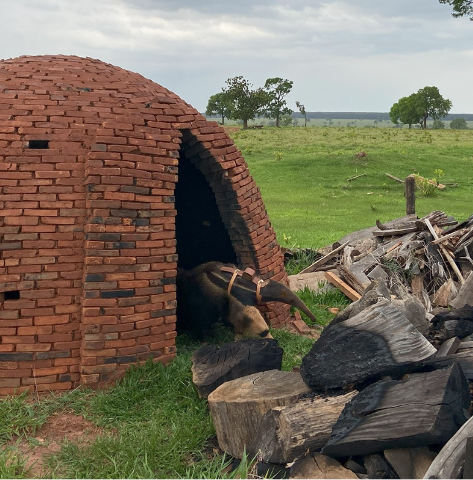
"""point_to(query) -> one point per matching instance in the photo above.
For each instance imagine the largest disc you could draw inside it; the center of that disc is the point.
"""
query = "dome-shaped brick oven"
(108, 182)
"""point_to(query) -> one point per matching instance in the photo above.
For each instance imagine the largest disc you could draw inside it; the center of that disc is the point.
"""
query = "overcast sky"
(359, 55)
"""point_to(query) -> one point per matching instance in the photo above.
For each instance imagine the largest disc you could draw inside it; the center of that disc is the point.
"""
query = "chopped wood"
(445, 294)
(320, 466)
(421, 409)
(212, 366)
(363, 347)
(468, 465)
(449, 461)
(287, 433)
(465, 294)
(353, 280)
(342, 286)
(410, 462)
(377, 466)
(324, 260)
(449, 347)
(238, 406)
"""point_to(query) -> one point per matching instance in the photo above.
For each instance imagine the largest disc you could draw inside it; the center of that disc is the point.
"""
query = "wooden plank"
(324, 260)
(342, 286)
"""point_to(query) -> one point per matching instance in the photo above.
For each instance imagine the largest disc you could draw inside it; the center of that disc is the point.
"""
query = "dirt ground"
(59, 427)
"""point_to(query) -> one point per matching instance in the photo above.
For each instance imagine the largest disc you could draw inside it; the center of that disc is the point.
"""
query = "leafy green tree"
(417, 107)
(303, 112)
(458, 124)
(438, 125)
(405, 111)
(219, 104)
(432, 104)
(246, 102)
(277, 90)
(461, 8)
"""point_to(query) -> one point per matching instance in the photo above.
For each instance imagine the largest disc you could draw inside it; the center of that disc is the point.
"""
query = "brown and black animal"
(204, 298)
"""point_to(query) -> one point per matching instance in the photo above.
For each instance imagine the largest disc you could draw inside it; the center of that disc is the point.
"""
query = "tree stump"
(422, 409)
(237, 407)
(213, 366)
(287, 433)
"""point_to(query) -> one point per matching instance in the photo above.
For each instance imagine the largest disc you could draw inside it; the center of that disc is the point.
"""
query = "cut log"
(449, 461)
(212, 366)
(453, 323)
(237, 407)
(320, 466)
(363, 347)
(449, 347)
(465, 294)
(445, 294)
(287, 433)
(422, 409)
(414, 311)
(410, 462)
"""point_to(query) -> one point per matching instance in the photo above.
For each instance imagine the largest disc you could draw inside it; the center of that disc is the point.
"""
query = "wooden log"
(410, 462)
(320, 466)
(363, 347)
(445, 294)
(212, 366)
(465, 294)
(453, 323)
(449, 347)
(410, 193)
(421, 409)
(237, 407)
(342, 286)
(377, 466)
(287, 433)
(449, 461)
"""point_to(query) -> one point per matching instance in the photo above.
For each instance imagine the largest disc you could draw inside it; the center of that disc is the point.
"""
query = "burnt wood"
(453, 323)
(287, 433)
(422, 409)
(212, 365)
(378, 340)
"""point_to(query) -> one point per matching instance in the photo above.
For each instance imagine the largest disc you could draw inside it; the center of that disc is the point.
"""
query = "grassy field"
(304, 173)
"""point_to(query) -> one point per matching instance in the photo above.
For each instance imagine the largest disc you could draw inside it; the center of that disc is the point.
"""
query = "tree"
(433, 105)
(246, 102)
(438, 125)
(461, 8)
(277, 90)
(219, 104)
(303, 112)
(416, 108)
(458, 124)
(405, 111)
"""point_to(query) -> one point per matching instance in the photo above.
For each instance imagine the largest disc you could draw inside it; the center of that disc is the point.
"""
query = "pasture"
(303, 175)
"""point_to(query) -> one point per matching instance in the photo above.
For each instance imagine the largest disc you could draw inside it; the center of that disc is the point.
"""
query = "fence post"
(410, 194)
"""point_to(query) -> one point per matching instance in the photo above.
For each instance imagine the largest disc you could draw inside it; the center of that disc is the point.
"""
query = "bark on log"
(449, 461)
(363, 347)
(212, 366)
(287, 433)
(422, 409)
(237, 407)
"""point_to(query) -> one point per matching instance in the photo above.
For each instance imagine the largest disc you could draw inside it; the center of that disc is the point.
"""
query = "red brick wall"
(87, 225)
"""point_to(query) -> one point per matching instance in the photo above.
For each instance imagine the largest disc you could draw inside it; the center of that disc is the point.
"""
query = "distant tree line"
(238, 100)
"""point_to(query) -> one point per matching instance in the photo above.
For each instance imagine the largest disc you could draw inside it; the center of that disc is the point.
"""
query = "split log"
(362, 348)
(449, 347)
(414, 311)
(320, 466)
(453, 323)
(377, 466)
(445, 294)
(212, 366)
(465, 294)
(237, 407)
(421, 409)
(410, 462)
(449, 461)
(287, 433)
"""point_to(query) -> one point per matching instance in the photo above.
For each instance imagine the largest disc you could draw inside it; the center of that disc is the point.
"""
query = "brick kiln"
(108, 182)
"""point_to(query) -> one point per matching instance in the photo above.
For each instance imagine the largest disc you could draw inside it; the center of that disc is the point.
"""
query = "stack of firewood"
(385, 390)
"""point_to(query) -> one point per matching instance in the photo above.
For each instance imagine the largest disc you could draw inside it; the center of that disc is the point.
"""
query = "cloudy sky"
(359, 55)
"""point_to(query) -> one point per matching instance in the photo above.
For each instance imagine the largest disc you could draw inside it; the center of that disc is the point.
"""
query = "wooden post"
(410, 193)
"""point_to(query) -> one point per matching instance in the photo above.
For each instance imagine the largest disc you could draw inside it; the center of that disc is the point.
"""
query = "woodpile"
(385, 391)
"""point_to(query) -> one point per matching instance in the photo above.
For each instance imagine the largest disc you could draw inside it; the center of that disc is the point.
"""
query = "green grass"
(154, 425)
(303, 176)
